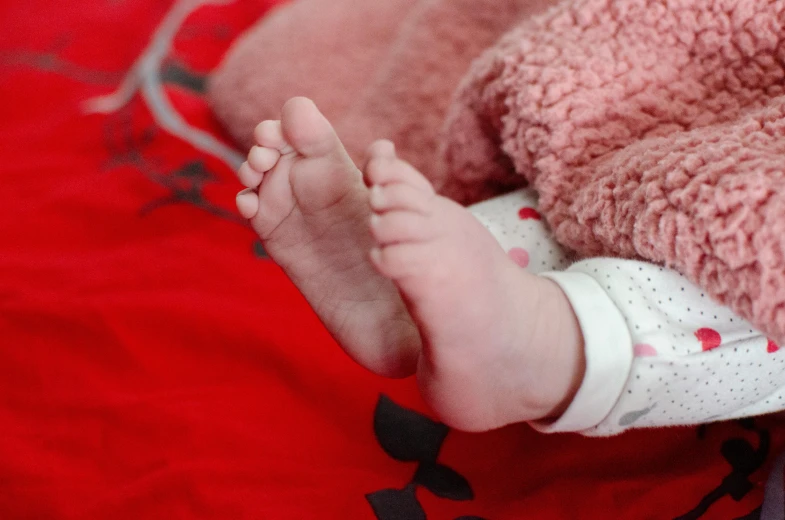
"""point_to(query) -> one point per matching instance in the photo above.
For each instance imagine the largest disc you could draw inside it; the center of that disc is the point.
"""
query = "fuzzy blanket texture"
(651, 129)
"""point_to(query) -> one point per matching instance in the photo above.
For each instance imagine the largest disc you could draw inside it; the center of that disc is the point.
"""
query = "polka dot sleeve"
(667, 354)
(694, 361)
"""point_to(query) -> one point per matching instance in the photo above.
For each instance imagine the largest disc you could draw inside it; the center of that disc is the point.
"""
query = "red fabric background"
(152, 366)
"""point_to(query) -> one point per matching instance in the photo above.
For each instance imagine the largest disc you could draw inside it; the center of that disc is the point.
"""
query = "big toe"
(307, 130)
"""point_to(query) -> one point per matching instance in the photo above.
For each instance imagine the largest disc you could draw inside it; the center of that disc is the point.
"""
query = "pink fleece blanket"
(651, 129)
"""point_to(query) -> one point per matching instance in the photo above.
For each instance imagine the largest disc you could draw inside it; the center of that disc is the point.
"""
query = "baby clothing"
(659, 351)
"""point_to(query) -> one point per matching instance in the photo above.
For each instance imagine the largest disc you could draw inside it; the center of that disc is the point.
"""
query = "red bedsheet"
(154, 365)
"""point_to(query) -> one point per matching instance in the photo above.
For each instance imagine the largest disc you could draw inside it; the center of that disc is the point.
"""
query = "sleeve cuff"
(608, 349)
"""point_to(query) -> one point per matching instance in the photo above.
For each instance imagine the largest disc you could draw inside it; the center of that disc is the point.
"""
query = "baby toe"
(248, 176)
(381, 148)
(269, 134)
(395, 261)
(399, 226)
(399, 196)
(308, 131)
(263, 159)
(247, 203)
(383, 171)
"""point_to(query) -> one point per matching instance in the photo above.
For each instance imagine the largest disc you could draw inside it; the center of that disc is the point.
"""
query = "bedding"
(154, 364)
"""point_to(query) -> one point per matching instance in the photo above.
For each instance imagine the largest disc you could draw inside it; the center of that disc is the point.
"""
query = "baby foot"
(500, 345)
(309, 205)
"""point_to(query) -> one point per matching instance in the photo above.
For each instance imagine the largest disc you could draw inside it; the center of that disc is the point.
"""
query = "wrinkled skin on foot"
(408, 281)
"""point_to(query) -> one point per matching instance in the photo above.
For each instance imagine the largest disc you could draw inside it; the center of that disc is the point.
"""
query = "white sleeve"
(684, 358)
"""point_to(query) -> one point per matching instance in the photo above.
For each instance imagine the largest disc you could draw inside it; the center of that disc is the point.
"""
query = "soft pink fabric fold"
(650, 129)
(377, 69)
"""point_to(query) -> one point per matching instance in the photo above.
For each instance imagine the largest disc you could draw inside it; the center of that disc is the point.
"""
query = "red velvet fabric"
(153, 365)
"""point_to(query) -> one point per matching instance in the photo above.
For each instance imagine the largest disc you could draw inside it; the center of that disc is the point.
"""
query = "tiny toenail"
(375, 254)
(247, 203)
(256, 154)
(375, 219)
(386, 148)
